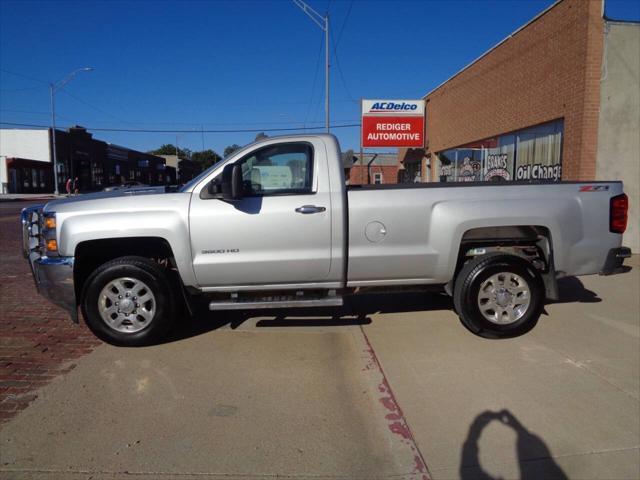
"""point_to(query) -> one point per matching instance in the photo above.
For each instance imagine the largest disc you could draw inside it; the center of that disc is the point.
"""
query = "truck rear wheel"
(499, 295)
(128, 302)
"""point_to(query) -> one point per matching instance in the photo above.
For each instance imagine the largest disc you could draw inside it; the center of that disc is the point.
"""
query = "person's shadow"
(534, 457)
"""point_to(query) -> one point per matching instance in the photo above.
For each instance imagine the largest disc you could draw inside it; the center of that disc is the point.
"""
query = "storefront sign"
(393, 123)
(496, 167)
(469, 170)
(539, 171)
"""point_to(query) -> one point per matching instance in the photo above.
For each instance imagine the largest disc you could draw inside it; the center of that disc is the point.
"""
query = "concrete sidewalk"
(560, 402)
(227, 404)
(374, 396)
(28, 197)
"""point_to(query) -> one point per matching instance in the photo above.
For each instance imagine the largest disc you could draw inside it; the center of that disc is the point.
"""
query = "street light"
(54, 87)
(323, 23)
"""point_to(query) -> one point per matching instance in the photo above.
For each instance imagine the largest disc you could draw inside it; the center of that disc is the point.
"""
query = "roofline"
(621, 22)
(27, 129)
(496, 46)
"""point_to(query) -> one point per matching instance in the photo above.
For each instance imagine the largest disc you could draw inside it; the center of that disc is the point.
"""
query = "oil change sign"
(392, 123)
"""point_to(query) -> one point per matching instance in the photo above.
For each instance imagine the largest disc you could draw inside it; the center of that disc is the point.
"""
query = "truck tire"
(128, 302)
(498, 295)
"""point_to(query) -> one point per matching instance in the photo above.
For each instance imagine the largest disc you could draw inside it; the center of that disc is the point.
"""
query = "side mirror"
(232, 182)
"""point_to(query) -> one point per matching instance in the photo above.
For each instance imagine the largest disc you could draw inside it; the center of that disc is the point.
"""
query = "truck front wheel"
(499, 295)
(128, 302)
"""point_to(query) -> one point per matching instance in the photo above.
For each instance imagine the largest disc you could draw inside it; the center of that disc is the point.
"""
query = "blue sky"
(237, 64)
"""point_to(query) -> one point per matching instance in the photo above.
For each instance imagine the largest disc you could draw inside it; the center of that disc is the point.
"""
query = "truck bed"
(404, 233)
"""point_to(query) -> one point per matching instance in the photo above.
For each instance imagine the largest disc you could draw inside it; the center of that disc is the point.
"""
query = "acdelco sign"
(393, 123)
(386, 106)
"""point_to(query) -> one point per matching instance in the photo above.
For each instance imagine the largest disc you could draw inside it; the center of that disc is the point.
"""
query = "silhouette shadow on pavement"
(534, 457)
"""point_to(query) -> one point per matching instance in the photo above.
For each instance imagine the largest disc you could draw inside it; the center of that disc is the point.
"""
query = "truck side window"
(278, 170)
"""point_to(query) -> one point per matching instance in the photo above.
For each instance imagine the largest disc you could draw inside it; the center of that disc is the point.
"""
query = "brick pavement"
(38, 341)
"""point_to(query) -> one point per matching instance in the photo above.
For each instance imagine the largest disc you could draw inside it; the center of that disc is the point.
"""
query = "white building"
(25, 161)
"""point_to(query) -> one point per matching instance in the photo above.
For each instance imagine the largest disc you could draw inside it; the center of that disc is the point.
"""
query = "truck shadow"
(356, 311)
(572, 290)
(534, 457)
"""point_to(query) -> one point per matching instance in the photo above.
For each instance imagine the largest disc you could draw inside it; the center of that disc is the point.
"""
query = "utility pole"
(323, 23)
(53, 88)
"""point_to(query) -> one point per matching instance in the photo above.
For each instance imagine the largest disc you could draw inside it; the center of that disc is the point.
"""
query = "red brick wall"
(548, 70)
(358, 174)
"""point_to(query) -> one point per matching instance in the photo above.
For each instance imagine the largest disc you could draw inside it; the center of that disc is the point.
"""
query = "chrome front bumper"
(53, 275)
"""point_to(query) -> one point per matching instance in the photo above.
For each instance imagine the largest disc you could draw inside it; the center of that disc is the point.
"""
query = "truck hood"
(79, 201)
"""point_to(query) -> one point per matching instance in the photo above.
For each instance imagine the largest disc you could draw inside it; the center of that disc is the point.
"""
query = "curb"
(26, 199)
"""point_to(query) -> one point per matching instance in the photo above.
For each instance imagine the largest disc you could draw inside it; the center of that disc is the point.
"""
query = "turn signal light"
(618, 213)
(50, 222)
(52, 245)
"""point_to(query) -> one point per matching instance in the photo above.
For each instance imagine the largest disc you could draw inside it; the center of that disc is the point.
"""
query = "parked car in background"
(125, 185)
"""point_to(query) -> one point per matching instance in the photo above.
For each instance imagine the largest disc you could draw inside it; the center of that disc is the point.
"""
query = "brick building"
(530, 107)
(26, 164)
(373, 168)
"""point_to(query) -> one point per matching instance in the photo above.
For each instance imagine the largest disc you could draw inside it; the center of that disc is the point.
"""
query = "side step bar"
(330, 301)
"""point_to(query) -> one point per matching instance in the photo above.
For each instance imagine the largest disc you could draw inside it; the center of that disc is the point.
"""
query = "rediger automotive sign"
(393, 123)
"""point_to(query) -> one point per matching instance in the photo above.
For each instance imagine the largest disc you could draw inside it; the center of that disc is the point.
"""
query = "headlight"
(49, 233)
(50, 222)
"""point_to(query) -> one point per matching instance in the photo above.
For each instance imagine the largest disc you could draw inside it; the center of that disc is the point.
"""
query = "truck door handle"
(306, 209)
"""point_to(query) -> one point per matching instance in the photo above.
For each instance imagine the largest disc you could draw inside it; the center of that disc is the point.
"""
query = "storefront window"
(540, 152)
(413, 172)
(96, 173)
(531, 154)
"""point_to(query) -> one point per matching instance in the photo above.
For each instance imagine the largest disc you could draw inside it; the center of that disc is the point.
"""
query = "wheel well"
(532, 242)
(90, 254)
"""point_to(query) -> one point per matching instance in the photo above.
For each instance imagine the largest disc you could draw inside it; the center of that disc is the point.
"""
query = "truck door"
(278, 233)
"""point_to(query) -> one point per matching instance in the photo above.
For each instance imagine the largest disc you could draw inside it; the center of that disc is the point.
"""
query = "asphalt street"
(389, 387)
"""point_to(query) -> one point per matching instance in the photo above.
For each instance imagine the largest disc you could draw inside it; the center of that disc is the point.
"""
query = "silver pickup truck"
(274, 226)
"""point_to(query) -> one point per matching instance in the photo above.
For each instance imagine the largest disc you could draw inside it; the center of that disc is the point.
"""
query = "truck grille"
(32, 237)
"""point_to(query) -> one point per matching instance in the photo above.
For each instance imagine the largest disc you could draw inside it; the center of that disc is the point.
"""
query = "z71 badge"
(594, 188)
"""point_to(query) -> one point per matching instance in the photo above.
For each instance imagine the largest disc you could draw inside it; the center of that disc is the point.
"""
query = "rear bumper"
(614, 261)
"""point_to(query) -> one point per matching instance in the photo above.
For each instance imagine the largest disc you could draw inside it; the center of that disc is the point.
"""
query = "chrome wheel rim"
(127, 305)
(504, 298)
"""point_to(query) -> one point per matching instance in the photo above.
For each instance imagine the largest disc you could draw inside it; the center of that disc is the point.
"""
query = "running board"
(330, 301)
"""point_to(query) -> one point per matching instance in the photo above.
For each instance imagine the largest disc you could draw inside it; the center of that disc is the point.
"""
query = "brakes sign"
(392, 123)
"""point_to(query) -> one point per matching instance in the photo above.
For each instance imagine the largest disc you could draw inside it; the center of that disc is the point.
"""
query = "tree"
(169, 149)
(205, 158)
(230, 149)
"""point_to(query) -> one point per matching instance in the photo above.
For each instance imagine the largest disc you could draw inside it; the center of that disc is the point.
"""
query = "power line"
(335, 43)
(24, 76)
(344, 82)
(141, 130)
(29, 112)
(315, 79)
(346, 18)
(20, 89)
(98, 109)
(23, 111)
